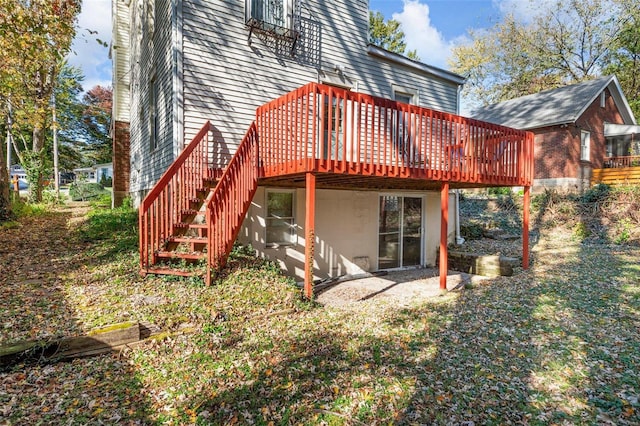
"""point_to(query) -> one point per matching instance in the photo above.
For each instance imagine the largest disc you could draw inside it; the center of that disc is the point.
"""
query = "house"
(578, 129)
(98, 173)
(276, 123)
(16, 171)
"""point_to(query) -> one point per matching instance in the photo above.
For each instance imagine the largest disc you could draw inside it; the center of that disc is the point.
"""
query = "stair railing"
(163, 206)
(228, 203)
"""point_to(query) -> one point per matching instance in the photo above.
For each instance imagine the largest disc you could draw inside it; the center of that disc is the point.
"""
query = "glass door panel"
(400, 232)
(389, 232)
(411, 231)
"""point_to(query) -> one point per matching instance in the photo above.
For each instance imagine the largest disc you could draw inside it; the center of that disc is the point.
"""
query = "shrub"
(581, 231)
(596, 193)
(499, 190)
(471, 231)
(83, 191)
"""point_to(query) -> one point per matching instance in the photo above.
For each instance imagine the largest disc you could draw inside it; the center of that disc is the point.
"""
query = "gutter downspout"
(459, 239)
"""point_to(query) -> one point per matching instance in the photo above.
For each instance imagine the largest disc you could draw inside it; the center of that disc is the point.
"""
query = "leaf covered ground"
(557, 344)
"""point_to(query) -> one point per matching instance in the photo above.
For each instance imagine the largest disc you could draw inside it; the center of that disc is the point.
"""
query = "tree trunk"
(35, 187)
(5, 200)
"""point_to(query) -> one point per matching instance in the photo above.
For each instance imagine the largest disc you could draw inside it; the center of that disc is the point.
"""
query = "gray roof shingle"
(547, 108)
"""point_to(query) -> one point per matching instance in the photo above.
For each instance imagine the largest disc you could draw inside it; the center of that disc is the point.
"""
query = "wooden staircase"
(194, 212)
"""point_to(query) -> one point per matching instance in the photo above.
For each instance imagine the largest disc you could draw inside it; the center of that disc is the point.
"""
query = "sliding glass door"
(399, 232)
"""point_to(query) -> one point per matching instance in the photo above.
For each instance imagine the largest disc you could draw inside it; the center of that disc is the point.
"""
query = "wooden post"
(310, 234)
(444, 230)
(525, 227)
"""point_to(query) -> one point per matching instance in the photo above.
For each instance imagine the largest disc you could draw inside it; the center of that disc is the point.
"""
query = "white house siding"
(120, 56)
(207, 70)
(151, 56)
(346, 227)
(225, 78)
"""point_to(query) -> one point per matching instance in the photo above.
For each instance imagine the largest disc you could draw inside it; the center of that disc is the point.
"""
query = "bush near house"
(84, 191)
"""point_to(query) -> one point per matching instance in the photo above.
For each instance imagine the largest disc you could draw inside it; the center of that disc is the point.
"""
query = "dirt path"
(35, 256)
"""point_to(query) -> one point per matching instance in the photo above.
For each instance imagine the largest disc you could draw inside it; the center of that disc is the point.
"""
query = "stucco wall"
(346, 231)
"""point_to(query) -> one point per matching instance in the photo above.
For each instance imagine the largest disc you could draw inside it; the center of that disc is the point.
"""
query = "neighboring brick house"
(577, 128)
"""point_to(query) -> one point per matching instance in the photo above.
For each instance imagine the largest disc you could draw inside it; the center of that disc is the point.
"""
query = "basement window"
(280, 220)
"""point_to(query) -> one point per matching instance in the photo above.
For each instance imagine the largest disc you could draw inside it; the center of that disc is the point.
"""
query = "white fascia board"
(620, 129)
(418, 66)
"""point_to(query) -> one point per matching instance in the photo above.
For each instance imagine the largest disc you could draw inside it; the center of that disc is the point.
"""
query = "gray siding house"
(195, 61)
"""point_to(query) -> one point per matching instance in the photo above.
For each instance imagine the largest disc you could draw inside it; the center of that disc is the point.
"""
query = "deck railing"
(174, 193)
(227, 204)
(327, 129)
(621, 162)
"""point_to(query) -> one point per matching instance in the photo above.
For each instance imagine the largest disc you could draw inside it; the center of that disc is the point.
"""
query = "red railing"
(174, 193)
(621, 162)
(327, 129)
(227, 204)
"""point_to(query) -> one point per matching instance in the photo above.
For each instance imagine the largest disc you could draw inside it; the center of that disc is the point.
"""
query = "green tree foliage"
(563, 44)
(623, 59)
(388, 35)
(36, 37)
(84, 123)
(96, 117)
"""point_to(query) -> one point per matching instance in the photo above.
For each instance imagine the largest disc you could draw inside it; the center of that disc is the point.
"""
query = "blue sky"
(431, 27)
(86, 52)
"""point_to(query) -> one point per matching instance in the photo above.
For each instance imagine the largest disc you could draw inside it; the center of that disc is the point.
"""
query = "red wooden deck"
(322, 136)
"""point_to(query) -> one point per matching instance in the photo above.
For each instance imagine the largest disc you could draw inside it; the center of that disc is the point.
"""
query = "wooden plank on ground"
(98, 341)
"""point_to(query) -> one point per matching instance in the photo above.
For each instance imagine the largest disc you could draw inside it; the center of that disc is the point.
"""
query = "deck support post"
(310, 234)
(526, 199)
(444, 230)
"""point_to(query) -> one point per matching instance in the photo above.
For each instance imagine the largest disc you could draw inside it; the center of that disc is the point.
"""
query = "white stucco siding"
(346, 228)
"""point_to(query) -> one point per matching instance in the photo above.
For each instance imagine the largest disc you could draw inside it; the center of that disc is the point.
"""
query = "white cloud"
(94, 23)
(420, 35)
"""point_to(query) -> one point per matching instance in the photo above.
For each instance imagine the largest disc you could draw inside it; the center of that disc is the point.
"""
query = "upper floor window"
(274, 16)
(153, 114)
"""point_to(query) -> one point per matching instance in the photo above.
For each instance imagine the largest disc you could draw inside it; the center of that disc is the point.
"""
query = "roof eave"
(419, 66)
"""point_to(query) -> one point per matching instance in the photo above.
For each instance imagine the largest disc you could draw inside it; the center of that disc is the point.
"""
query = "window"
(274, 16)
(280, 221)
(401, 129)
(153, 114)
(403, 97)
(603, 99)
(585, 143)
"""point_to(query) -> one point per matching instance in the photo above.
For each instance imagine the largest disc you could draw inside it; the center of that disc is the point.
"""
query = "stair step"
(191, 225)
(196, 240)
(170, 271)
(177, 255)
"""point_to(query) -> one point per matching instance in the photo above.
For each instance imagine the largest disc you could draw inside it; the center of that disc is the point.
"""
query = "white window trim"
(294, 235)
(406, 91)
(585, 149)
(287, 10)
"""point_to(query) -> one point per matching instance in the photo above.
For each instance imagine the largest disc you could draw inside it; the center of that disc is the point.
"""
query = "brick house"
(578, 128)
